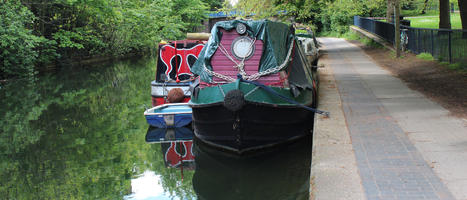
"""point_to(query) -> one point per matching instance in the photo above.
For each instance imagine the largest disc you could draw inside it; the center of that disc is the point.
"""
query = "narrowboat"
(173, 73)
(310, 47)
(256, 86)
(170, 89)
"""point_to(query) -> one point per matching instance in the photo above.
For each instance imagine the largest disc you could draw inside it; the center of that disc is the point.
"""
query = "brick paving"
(389, 165)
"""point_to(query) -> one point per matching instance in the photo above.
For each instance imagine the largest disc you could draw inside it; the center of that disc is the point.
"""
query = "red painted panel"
(223, 65)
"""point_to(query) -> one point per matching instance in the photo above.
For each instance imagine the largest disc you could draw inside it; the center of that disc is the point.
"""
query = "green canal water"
(80, 134)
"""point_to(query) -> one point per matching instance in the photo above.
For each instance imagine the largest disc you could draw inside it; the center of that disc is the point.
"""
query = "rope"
(241, 65)
(222, 91)
(273, 92)
(251, 91)
(275, 69)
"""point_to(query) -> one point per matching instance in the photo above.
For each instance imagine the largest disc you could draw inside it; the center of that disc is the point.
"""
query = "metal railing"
(448, 45)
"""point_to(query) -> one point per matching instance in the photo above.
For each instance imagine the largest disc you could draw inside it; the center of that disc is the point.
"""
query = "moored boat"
(257, 88)
(173, 70)
(169, 115)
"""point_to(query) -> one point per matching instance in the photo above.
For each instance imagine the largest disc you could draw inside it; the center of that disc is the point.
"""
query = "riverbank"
(334, 167)
(90, 61)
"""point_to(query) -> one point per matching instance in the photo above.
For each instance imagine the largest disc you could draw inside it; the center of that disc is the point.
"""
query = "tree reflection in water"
(76, 134)
(80, 135)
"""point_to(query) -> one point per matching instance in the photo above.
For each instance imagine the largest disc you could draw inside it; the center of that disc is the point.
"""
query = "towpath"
(383, 140)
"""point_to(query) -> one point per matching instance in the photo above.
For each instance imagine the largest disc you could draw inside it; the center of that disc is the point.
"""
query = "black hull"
(253, 127)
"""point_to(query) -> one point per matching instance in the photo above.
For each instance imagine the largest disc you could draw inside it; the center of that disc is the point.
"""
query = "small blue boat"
(169, 115)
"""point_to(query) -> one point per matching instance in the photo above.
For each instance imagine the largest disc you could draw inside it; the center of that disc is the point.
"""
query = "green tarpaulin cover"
(276, 37)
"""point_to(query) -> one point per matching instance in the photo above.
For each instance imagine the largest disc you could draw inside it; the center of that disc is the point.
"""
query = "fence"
(444, 44)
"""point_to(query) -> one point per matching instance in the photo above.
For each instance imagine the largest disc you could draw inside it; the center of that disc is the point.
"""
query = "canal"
(81, 134)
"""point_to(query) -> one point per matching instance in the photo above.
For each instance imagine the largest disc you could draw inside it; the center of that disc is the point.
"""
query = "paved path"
(405, 146)
(334, 168)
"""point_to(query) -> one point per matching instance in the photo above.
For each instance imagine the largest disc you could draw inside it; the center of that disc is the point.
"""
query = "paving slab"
(440, 138)
(384, 120)
(334, 171)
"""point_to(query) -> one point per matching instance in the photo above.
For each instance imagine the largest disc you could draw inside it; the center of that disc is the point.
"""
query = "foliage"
(425, 56)
(190, 12)
(214, 4)
(455, 66)
(328, 15)
(36, 33)
(322, 15)
(338, 15)
(17, 42)
(349, 35)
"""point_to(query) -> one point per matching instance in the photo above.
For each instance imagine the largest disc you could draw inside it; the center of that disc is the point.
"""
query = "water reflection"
(175, 147)
(279, 173)
(161, 135)
(80, 134)
(147, 186)
(276, 173)
(76, 134)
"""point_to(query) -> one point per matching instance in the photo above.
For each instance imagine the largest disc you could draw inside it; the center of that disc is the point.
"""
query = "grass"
(410, 13)
(425, 56)
(330, 34)
(349, 35)
(433, 21)
(364, 40)
(455, 66)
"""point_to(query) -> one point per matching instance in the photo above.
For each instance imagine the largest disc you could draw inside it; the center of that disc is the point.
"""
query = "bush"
(425, 56)
(16, 40)
(338, 15)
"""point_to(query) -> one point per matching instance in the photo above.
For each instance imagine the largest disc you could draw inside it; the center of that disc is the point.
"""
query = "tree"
(425, 5)
(390, 11)
(444, 15)
(463, 13)
(17, 43)
(214, 4)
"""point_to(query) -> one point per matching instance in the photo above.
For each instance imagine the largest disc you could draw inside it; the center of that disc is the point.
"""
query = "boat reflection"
(280, 173)
(176, 146)
(168, 135)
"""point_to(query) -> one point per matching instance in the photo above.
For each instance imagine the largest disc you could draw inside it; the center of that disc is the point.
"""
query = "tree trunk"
(444, 15)
(397, 28)
(463, 13)
(425, 5)
(390, 11)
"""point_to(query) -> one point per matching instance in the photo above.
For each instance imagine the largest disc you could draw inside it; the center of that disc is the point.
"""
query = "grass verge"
(425, 56)
(349, 35)
(433, 21)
